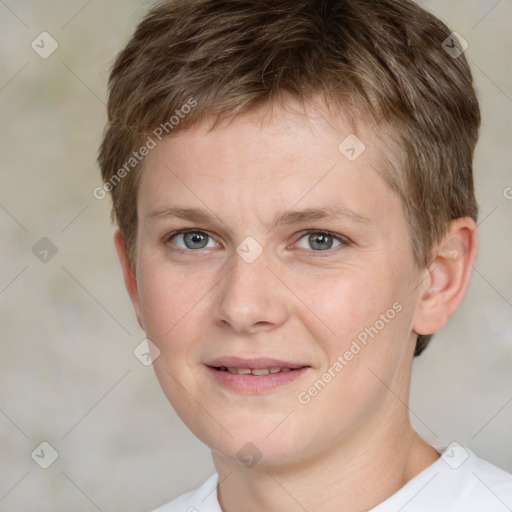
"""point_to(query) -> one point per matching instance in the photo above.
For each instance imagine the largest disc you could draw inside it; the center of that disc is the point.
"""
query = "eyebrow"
(287, 217)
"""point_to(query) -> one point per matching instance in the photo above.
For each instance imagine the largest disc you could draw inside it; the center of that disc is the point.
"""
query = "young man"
(292, 182)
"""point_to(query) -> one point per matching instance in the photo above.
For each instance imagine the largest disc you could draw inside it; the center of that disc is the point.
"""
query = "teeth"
(240, 371)
(262, 371)
(255, 371)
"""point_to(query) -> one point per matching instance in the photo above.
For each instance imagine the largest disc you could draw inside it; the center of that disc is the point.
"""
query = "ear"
(130, 279)
(447, 277)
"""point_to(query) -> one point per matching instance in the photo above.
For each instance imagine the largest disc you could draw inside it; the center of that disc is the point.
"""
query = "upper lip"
(253, 363)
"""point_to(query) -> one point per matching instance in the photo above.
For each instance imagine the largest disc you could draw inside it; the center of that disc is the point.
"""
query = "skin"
(294, 302)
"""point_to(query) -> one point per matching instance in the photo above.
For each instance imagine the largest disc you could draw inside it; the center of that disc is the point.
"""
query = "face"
(264, 245)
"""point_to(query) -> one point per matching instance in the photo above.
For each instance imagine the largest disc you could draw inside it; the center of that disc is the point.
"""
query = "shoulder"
(202, 499)
(488, 485)
(459, 481)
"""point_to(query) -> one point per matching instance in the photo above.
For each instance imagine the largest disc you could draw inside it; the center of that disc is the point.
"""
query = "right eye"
(192, 240)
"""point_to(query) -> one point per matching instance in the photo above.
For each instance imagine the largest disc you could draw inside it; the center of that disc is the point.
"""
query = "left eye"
(319, 241)
(193, 240)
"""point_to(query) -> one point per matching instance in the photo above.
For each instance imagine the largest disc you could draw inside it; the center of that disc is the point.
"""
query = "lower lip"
(255, 384)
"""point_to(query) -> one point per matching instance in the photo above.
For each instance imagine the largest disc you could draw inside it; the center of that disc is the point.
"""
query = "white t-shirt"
(458, 481)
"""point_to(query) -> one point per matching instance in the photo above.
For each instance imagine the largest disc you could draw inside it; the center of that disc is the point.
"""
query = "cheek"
(173, 309)
(360, 322)
(170, 299)
(346, 301)
(365, 350)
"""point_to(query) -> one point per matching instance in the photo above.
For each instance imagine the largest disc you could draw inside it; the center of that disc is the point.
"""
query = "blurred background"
(68, 374)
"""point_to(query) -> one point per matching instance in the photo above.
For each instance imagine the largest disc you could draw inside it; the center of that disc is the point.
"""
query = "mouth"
(255, 375)
(255, 371)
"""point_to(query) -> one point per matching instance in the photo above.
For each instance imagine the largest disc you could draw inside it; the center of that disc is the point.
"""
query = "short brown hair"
(387, 59)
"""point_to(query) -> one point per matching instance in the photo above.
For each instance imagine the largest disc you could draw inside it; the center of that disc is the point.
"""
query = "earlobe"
(130, 278)
(448, 277)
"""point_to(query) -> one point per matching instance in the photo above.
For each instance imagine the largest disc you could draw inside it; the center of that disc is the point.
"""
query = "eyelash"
(344, 242)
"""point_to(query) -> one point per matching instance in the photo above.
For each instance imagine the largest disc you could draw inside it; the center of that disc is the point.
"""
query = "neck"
(355, 474)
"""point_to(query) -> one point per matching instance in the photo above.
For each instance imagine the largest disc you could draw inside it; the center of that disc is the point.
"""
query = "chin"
(261, 453)
(250, 447)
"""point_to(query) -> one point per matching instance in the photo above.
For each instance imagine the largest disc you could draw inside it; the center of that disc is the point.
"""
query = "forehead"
(269, 161)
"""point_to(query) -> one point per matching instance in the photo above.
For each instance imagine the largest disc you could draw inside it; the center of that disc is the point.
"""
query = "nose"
(250, 298)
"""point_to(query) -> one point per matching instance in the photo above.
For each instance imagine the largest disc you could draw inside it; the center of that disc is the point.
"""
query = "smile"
(254, 371)
(255, 381)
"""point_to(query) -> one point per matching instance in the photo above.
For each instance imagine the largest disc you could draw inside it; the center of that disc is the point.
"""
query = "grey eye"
(318, 241)
(193, 240)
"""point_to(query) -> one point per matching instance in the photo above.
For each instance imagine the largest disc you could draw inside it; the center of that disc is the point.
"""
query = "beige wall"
(68, 375)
